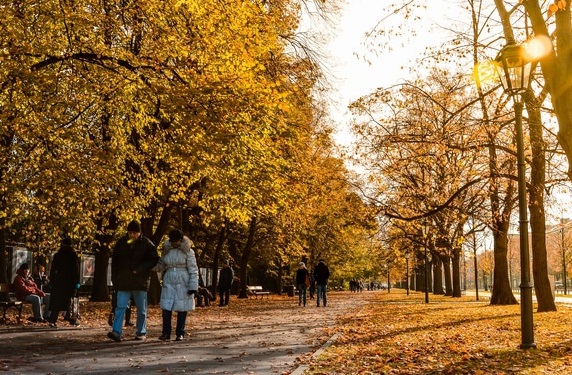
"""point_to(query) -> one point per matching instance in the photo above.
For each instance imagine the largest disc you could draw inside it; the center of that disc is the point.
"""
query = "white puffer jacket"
(181, 275)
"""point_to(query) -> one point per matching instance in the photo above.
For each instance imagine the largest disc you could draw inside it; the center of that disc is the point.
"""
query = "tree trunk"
(446, 261)
(216, 258)
(102, 250)
(437, 275)
(501, 293)
(246, 257)
(456, 262)
(542, 286)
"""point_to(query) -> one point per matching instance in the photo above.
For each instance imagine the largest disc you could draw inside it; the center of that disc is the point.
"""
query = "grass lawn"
(399, 334)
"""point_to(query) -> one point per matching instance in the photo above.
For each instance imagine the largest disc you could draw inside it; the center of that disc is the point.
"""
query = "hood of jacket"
(185, 245)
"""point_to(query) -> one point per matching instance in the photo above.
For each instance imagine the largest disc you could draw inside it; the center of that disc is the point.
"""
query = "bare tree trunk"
(542, 286)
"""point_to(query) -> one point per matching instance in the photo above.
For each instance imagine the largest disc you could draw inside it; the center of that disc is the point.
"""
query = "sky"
(354, 69)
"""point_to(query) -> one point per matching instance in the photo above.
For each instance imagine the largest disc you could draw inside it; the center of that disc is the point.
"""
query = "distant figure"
(225, 279)
(134, 256)
(180, 282)
(26, 290)
(321, 273)
(312, 285)
(65, 281)
(40, 278)
(302, 282)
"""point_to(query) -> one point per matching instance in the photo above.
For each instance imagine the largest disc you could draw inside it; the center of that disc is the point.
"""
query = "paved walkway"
(272, 336)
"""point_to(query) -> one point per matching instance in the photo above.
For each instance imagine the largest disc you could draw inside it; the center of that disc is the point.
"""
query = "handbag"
(307, 281)
(73, 312)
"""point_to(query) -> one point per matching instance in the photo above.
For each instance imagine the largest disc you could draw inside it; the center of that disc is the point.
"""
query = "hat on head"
(134, 226)
(226, 262)
(24, 266)
(301, 264)
(175, 235)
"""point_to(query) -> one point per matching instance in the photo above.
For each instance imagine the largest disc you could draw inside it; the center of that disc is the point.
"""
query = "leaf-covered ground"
(399, 334)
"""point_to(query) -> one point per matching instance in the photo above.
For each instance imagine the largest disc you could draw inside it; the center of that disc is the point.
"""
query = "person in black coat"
(321, 274)
(64, 276)
(134, 256)
(225, 279)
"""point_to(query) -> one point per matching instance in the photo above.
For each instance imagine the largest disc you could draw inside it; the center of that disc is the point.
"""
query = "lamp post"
(425, 230)
(514, 72)
(407, 272)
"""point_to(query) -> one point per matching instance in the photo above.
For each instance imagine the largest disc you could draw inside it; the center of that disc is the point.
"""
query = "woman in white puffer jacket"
(180, 282)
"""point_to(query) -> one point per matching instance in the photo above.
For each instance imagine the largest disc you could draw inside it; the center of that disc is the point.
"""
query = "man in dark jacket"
(225, 279)
(321, 274)
(134, 256)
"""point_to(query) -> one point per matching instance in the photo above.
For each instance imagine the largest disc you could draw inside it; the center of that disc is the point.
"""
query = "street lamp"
(407, 272)
(514, 71)
(425, 230)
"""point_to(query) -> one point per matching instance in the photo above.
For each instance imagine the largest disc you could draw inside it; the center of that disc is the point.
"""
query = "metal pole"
(525, 284)
(426, 272)
(407, 273)
(564, 273)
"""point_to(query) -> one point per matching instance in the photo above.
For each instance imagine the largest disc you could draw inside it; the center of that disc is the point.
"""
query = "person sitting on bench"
(26, 290)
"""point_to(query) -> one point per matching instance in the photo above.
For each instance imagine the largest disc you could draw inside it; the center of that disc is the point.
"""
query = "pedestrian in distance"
(321, 274)
(225, 279)
(302, 282)
(180, 282)
(64, 276)
(41, 279)
(134, 256)
(26, 290)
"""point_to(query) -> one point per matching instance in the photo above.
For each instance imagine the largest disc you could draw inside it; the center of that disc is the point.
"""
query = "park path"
(255, 336)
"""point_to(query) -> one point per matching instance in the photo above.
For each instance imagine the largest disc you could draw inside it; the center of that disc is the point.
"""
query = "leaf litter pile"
(400, 334)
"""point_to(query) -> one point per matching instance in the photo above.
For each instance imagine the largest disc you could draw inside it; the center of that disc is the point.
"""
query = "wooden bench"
(8, 300)
(257, 291)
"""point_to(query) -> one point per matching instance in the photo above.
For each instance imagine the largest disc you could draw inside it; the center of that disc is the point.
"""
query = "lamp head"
(513, 68)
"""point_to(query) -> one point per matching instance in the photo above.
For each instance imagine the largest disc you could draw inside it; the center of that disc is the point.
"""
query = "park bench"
(256, 290)
(8, 300)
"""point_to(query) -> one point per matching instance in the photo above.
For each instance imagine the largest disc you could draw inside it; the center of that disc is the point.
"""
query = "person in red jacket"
(26, 290)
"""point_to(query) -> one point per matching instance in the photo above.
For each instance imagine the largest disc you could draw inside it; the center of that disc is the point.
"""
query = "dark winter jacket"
(131, 263)
(64, 276)
(226, 277)
(321, 273)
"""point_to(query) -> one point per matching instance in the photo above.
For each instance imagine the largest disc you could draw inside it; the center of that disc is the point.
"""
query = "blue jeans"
(37, 303)
(123, 297)
(321, 292)
(302, 294)
(181, 319)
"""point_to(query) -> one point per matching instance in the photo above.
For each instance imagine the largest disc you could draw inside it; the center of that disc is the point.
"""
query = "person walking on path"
(180, 282)
(321, 274)
(64, 276)
(225, 279)
(134, 256)
(26, 290)
(302, 282)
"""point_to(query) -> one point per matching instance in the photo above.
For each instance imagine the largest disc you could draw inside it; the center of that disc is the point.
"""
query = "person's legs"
(123, 297)
(166, 334)
(140, 297)
(318, 294)
(181, 320)
(36, 302)
(304, 290)
(325, 292)
(221, 297)
(46, 303)
(300, 288)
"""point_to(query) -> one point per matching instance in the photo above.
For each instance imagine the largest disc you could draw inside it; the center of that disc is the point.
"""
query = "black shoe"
(129, 324)
(53, 325)
(114, 336)
(164, 338)
(179, 338)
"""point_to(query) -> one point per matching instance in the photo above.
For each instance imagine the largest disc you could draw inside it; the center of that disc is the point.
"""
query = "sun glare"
(485, 73)
(538, 47)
